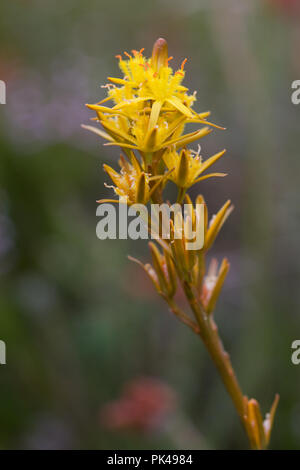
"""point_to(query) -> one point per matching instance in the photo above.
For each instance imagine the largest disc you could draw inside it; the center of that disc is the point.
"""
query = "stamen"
(118, 56)
(128, 55)
(145, 65)
(183, 64)
(109, 186)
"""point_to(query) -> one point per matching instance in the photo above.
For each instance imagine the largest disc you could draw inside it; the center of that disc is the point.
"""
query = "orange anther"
(141, 51)
(145, 65)
(183, 64)
(118, 57)
(128, 55)
(169, 58)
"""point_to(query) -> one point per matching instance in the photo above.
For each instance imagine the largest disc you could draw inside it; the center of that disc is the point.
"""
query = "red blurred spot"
(288, 6)
(144, 404)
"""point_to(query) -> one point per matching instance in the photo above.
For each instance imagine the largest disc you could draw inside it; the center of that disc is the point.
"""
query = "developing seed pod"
(216, 224)
(213, 283)
(159, 54)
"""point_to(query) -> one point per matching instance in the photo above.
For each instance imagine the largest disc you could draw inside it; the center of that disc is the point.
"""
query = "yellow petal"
(217, 223)
(210, 161)
(114, 175)
(268, 422)
(210, 176)
(118, 132)
(104, 109)
(122, 144)
(174, 101)
(155, 110)
(256, 422)
(134, 161)
(218, 286)
(132, 101)
(120, 81)
(188, 138)
(203, 121)
(98, 132)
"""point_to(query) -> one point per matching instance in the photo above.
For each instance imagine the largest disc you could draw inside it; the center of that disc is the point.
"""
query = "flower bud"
(255, 425)
(216, 224)
(159, 54)
(213, 284)
(141, 190)
(183, 169)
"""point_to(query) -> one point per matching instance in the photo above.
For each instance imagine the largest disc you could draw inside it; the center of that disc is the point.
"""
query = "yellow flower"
(151, 79)
(133, 132)
(149, 111)
(188, 166)
(151, 106)
(132, 184)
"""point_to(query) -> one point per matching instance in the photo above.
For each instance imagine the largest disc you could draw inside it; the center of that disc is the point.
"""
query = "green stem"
(182, 316)
(209, 335)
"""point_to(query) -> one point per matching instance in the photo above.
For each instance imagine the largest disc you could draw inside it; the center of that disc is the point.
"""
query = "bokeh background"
(94, 358)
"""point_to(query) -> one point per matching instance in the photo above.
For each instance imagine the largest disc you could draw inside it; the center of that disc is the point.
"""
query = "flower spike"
(145, 113)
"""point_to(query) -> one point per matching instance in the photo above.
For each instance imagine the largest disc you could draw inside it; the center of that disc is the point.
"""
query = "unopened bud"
(141, 197)
(183, 169)
(159, 54)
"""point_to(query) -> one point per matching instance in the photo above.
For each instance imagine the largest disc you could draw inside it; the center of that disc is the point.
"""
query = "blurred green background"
(79, 320)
